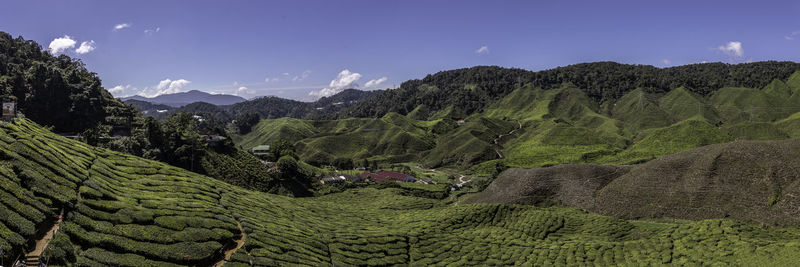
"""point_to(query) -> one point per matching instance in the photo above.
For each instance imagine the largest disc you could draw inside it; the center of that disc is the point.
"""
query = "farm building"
(262, 150)
(333, 179)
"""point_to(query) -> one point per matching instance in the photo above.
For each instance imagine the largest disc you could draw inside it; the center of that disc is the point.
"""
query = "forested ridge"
(57, 90)
(471, 90)
(60, 92)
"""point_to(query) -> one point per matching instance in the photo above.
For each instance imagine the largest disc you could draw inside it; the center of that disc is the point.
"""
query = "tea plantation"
(533, 127)
(126, 211)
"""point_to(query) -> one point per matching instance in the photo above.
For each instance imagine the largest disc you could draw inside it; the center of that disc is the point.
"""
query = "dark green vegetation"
(535, 127)
(392, 138)
(57, 91)
(128, 211)
(269, 107)
(756, 181)
(471, 90)
(60, 92)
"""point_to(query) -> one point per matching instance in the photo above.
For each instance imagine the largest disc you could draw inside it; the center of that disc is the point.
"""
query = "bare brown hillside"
(745, 180)
(568, 185)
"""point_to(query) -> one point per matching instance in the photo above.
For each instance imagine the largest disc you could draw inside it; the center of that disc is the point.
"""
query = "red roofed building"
(386, 176)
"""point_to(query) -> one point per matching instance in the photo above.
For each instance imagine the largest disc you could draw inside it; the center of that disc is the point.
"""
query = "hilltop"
(126, 211)
(57, 91)
(471, 90)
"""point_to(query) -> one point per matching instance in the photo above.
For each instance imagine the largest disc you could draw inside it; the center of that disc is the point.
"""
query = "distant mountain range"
(185, 98)
(267, 107)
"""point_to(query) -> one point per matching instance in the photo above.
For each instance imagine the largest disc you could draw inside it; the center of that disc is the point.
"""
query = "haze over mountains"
(184, 98)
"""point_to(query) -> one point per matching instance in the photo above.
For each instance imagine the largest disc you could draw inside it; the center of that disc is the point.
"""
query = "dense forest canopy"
(470, 90)
(56, 90)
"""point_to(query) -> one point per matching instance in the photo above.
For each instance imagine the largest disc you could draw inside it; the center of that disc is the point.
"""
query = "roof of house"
(261, 147)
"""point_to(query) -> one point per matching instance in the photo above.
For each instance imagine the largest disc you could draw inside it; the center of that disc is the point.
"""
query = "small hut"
(9, 109)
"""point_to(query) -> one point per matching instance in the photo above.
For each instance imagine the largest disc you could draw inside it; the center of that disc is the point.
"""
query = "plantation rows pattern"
(126, 211)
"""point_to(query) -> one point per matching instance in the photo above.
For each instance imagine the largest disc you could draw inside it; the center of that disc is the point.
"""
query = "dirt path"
(239, 244)
(497, 140)
(41, 244)
(461, 181)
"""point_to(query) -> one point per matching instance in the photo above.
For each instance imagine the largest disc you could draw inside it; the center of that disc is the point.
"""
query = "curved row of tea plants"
(126, 211)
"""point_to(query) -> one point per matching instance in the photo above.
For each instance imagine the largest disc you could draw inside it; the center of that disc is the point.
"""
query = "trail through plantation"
(496, 141)
(239, 244)
(41, 244)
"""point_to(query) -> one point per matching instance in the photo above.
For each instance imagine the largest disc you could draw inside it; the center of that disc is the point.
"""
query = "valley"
(588, 164)
(123, 210)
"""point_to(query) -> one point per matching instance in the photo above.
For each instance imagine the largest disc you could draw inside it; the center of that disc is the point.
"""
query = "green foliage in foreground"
(126, 211)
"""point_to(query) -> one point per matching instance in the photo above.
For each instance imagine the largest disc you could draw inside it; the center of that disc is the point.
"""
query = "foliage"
(245, 122)
(57, 90)
(133, 212)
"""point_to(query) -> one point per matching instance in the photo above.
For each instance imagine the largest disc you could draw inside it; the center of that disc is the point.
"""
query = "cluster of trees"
(56, 90)
(470, 90)
(178, 142)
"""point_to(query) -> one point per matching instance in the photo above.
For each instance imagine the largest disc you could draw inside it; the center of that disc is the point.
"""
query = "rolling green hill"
(126, 211)
(390, 138)
(472, 90)
(533, 127)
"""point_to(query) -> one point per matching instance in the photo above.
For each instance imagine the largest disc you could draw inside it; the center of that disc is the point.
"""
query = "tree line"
(470, 90)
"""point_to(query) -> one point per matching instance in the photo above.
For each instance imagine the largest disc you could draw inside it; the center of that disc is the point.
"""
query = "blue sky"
(306, 49)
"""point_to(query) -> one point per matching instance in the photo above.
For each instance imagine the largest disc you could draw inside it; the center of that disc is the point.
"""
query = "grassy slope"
(561, 125)
(678, 137)
(469, 143)
(736, 104)
(570, 129)
(681, 104)
(131, 212)
(641, 126)
(268, 131)
(391, 136)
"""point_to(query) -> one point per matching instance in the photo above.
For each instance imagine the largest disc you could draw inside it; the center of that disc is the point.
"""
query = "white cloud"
(166, 86)
(62, 44)
(85, 47)
(733, 49)
(483, 50)
(302, 76)
(344, 80)
(122, 90)
(244, 90)
(375, 82)
(792, 35)
(118, 89)
(273, 79)
(666, 61)
(121, 26)
(151, 31)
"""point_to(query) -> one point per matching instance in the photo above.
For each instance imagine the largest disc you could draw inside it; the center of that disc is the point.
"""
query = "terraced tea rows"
(126, 211)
